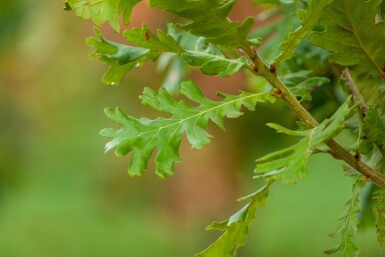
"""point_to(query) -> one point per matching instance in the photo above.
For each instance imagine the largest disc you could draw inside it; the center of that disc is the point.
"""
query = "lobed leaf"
(353, 36)
(142, 136)
(347, 248)
(122, 58)
(209, 18)
(309, 18)
(289, 164)
(236, 228)
(101, 11)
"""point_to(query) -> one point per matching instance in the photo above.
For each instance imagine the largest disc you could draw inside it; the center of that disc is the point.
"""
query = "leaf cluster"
(293, 46)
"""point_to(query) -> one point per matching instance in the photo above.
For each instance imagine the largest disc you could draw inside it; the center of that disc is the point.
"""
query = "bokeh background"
(61, 195)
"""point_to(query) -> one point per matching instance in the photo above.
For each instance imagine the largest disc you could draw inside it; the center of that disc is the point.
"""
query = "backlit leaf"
(142, 136)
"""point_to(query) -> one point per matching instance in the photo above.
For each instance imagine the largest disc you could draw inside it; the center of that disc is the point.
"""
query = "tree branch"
(270, 74)
(353, 90)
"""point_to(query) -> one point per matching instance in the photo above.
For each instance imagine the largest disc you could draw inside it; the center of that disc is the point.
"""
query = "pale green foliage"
(122, 58)
(236, 228)
(347, 248)
(289, 164)
(142, 136)
(379, 211)
(101, 11)
(308, 19)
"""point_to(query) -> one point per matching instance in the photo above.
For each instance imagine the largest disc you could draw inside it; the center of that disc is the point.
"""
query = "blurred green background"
(60, 195)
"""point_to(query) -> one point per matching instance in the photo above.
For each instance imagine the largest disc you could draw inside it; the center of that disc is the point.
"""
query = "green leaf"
(142, 136)
(122, 58)
(347, 248)
(212, 61)
(101, 11)
(210, 20)
(308, 18)
(354, 37)
(276, 30)
(236, 228)
(379, 211)
(301, 84)
(143, 37)
(289, 164)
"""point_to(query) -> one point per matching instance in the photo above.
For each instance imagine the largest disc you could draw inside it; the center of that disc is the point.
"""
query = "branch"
(353, 90)
(338, 152)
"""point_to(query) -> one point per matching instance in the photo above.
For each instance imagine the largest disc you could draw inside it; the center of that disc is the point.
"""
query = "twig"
(338, 152)
(353, 90)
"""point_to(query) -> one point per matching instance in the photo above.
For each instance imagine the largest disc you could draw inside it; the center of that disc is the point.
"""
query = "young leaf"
(210, 20)
(353, 36)
(142, 136)
(236, 228)
(101, 11)
(346, 248)
(308, 19)
(122, 58)
(289, 164)
(379, 211)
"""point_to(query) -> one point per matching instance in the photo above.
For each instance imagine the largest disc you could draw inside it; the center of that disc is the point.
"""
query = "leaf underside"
(309, 18)
(289, 164)
(122, 58)
(236, 228)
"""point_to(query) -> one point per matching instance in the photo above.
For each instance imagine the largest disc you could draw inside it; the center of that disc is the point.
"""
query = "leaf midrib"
(199, 114)
(361, 45)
